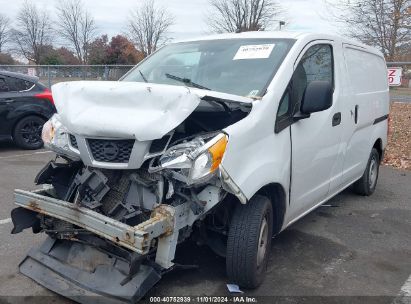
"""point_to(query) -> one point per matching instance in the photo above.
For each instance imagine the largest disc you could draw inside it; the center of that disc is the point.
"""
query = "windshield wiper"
(142, 76)
(186, 81)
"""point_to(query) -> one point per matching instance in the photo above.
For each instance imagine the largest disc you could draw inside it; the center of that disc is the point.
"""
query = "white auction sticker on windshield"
(257, 51)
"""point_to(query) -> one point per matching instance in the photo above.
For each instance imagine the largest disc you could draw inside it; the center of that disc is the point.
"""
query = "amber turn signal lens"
(217, 151)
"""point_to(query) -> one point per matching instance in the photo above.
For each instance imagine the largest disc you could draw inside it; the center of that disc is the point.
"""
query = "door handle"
(356, 114)
(8, 100)
(336, 119)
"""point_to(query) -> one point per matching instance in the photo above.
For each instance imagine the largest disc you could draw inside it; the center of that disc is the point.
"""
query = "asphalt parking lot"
(355, 249)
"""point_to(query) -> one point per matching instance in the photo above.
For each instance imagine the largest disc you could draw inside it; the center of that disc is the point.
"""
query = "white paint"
(406, 288)
(319, 153)
(5, 221)
(325, 159)
(144, 111)
(404, 296)
(26, 154)
(122, 109)
(257, 51)
(370, 95)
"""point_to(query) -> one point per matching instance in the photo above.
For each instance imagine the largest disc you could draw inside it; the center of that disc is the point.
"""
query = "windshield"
(236, 66)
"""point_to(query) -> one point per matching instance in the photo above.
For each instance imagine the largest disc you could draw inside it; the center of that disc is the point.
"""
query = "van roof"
(284, 35)
(245, 35)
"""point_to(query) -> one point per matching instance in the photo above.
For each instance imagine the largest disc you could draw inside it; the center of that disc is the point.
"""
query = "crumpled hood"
(122, 109)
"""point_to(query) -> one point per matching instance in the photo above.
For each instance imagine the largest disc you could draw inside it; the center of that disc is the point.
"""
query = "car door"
(15, 92)
(6, 100)
(315, 140)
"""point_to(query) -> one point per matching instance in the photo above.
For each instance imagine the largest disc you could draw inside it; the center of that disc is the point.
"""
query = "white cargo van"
(226, 140)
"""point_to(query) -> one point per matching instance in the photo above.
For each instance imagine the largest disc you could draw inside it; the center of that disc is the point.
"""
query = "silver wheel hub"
(373, 172)
(262, 242)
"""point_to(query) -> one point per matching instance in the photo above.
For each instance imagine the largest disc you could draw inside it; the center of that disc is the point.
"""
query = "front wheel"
(367, 183)
(249, 242)
(27, 132)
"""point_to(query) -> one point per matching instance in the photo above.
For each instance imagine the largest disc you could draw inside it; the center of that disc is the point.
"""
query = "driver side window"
(316, 64)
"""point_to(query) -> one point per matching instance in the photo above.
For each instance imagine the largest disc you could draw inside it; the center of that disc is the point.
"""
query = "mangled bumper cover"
(80, 270)
(85, 274)
(137, 238)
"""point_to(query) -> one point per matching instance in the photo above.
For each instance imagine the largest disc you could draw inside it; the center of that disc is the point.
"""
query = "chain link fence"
(51, 74)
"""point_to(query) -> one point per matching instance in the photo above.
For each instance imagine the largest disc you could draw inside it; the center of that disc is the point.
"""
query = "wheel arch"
(276, 194)
(379, 147)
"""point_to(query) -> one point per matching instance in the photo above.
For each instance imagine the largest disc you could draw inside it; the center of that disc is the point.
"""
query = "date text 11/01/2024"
(204, 299)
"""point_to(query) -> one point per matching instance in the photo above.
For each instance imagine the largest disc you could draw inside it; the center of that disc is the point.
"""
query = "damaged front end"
(115, 208)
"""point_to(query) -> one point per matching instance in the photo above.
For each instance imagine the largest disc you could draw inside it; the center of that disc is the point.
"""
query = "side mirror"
(318, 96)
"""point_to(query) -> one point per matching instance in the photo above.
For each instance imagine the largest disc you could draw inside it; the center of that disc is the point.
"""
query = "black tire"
(27, 132)
(243, 265)
(367, 183)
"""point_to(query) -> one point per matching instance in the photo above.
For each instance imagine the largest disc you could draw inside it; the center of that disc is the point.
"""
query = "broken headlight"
(196, 160)
(55, 137)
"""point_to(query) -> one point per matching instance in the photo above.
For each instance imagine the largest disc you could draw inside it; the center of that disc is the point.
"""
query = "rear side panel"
(365, 110)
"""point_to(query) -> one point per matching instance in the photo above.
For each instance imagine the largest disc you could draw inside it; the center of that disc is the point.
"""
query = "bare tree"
(242, 15)
(4, 31)
(32, 32)
(148, 26)
(77, 27)
(385, 24)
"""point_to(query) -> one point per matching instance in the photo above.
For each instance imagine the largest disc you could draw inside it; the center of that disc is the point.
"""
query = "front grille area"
(109, 150)
(158, 145)
(73, 141)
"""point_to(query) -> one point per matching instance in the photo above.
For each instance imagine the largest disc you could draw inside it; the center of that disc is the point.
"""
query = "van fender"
(249, 166)
(257, 160)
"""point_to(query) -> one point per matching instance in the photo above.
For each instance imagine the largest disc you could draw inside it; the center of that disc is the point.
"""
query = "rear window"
(18, 85)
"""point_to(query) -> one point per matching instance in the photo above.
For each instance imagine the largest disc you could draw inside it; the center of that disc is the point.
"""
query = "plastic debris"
(234, 288)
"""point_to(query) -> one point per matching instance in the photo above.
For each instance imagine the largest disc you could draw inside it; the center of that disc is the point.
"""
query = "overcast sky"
(111, 15)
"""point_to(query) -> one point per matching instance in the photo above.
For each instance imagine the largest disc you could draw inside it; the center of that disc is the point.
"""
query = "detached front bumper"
(137, 238)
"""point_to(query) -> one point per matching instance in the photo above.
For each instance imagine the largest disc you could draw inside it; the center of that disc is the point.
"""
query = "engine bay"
(165, 176)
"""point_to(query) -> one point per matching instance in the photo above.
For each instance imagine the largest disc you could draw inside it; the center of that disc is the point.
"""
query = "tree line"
(32, 36)
(385, 24)
(73, 36)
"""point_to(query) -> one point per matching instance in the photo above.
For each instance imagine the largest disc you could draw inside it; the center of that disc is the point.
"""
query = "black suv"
(25, 105)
